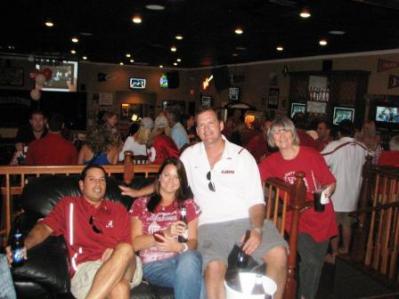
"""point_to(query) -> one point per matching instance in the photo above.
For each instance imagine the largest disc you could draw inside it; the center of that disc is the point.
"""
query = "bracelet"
(184, 248)
(259, 230)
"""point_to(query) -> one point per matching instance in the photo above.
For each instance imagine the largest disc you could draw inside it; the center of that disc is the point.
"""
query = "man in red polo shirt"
(52, 149)
(97, 234)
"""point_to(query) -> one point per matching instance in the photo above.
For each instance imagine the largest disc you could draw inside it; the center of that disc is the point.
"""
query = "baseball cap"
(147, 122)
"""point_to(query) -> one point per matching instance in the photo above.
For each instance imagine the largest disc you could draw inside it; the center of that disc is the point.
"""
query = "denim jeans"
(182, 272)
(7, 290)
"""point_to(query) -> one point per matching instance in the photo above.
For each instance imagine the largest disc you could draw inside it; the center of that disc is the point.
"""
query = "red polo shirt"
(71, 219)
(52, 149)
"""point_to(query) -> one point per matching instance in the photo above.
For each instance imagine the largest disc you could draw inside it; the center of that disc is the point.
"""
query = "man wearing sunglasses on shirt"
(225, 181)
(101, 259)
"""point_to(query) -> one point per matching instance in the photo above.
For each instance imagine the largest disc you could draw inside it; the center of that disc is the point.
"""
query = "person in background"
(257, 146)
(189, 124)
(101, 147)
(346, 158)
(134, 142)
(178, 132)
(369, 137)
(160, 143)
(324, 134)
(156, 225)
(315, 228)
(110, 122)
(391, 157)
(52, 149)
(101, 259)
(301, 126)
(25, 135)
(7, 290)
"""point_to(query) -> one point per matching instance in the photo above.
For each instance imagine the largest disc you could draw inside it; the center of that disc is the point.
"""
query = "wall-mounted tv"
(137, 83)
(64, 76)
(341, 113)
(387, 114)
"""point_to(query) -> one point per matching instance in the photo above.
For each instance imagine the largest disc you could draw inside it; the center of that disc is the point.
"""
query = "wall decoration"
(316, 107)
(11, 76)
(393, 81)
(297, 107)
(384, 65)
(105, 99)
(272, 100)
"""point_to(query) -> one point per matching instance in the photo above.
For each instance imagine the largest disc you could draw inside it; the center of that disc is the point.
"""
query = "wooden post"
(299, 194)
(128, 168)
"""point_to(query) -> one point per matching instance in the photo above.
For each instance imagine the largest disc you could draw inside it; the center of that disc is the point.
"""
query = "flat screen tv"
(341, 113)
(64, 76)
(387, 114)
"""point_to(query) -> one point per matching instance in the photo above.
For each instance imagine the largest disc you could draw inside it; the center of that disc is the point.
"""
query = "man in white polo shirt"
(226, 184)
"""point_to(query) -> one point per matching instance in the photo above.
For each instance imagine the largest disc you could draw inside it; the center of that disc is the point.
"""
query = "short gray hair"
(394, 143)
(284, 123)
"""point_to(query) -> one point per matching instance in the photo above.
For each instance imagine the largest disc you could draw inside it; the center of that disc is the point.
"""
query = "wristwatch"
(184, 248)
(258, 229)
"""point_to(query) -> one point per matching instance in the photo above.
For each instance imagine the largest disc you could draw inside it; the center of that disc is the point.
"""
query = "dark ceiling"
(107, 34)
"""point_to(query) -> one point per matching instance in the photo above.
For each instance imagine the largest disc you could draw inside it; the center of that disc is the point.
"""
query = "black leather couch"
(45, 274)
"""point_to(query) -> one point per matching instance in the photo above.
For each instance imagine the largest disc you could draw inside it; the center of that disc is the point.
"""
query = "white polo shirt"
(236, 179)
(346, 158)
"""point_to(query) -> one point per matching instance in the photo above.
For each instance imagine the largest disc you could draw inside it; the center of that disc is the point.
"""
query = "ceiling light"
(49, 23)
(323, 42)
(179, 37)
(173, 49)
(131, 60)
(155, 6)
(84, 57)
(178, 59)
(128, 55)
(175, 63)
(239, 48)
(121, 63)
(305, 13)
(137, 20)
(336, 32)
(235, 54)
(161, 66)
(73, 51)
(239, 31)
(280, 48)
(75, 40)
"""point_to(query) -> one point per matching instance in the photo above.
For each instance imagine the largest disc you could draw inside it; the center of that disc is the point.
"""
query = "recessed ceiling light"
(161, 66)
(128, 55)
(73, 51)
(179, 37)
(235, 54)
(137, 20)
(84, 57)
(323, 42)
(175, 63)
(11, 47)
(155, 6)
(280, 48)
(305, 13)
(49, 24)
(336, 32)
(75, 40)
(239, 31)
(131, 60)
(121, 63)
(173, 49)
(178, 59)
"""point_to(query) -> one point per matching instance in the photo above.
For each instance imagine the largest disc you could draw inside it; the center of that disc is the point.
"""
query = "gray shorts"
(216, 240)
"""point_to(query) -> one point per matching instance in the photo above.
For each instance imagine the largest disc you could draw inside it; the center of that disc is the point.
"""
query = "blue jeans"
(7, 290)
(182, 272)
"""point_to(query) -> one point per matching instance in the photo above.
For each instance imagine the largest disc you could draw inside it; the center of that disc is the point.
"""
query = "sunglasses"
(211, 185)
(93, 226)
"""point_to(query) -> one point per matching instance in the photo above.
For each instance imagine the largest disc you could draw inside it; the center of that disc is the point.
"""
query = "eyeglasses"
(211, 185)
(93, 226)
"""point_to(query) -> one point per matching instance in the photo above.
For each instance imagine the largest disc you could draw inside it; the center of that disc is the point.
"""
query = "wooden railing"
(376, 240)
(283, 198)
(14, 178)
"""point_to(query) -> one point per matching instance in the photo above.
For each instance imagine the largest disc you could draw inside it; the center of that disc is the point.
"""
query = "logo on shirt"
(110, 224)
(227, 171)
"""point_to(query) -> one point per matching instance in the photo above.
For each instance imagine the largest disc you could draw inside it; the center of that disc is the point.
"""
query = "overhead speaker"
(173, 79)
(327, 65)
(221, 76)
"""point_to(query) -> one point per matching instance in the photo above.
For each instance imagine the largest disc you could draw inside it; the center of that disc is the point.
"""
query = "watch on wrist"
(259, 230)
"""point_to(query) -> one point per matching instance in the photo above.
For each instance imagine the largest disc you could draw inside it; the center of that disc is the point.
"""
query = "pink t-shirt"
(159, 221)
(321, 226)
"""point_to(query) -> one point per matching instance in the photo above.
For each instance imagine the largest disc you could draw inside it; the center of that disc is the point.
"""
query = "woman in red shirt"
(391, 157)
(315, 228)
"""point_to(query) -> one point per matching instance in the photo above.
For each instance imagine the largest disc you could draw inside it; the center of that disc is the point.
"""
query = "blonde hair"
(282, 123)
(143, 135)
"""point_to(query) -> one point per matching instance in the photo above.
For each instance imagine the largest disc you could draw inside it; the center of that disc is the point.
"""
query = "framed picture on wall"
(297, 107)
(341, 113)
(272, 100)
(206, 101)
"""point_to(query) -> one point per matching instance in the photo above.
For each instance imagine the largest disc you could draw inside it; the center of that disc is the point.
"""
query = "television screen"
(341, 113)
(163, 81)
(387, 114)
(64, 76)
